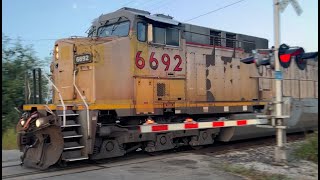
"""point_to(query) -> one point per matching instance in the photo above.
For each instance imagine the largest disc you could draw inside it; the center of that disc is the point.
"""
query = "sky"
(41, 22)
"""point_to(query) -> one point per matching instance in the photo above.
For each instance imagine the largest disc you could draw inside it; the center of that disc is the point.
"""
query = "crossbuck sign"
(294, 3)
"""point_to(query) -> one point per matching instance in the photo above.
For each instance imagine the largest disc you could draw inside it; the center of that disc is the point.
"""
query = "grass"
(252, 173)
(308, 150)
(9, 140)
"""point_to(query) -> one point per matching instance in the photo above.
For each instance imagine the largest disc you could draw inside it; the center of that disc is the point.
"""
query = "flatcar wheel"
(197, 147)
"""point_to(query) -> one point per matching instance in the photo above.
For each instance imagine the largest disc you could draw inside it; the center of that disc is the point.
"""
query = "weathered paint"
(207, 76)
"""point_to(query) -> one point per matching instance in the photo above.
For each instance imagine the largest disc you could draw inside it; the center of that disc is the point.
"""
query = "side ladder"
(74, 142)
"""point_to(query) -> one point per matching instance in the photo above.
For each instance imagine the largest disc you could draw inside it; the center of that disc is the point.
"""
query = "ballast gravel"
(261, 159)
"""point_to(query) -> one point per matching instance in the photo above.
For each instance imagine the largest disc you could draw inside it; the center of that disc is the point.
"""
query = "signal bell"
(286, 53)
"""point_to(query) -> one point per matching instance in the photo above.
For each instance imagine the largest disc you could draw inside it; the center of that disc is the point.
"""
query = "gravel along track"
(260, 158)
(12, 169)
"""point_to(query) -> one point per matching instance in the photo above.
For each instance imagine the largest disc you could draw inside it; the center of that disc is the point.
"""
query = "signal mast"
(277, 57)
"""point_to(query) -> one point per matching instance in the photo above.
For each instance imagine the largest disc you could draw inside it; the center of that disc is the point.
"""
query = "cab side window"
(172, 37)
(159, 35)
(166, 36)
(142, 31)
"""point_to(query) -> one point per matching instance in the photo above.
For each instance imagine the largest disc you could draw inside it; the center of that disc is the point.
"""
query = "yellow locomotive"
(148, 81)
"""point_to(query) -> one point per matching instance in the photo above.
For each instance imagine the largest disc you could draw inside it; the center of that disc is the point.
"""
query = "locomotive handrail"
(29, 90)
(84, 101)
(47, 100)
(48, 94)
(292, 79)
(61, 99)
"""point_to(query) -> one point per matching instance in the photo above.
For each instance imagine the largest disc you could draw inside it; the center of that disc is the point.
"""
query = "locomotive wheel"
(46, 150)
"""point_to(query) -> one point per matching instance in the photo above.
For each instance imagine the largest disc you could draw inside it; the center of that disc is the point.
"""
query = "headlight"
(56, 52)
(38, 122)
(57, 49)
(22, 122)
(41, 121)
(57, 56)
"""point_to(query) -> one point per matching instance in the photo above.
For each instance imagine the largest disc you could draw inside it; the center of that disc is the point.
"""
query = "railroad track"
(139, 157)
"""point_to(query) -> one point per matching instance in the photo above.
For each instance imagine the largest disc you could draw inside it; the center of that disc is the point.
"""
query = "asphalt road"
(182, 166)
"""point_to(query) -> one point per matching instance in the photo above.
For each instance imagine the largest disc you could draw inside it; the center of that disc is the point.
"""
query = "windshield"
(91, 31)
(118, 29)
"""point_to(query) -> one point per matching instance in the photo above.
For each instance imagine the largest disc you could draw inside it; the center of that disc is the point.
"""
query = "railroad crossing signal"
(280, 153)
(261, 57)
(294, 3)
(286, 53)
(265, 57)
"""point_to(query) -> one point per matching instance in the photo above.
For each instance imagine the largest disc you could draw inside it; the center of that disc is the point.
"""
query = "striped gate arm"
(149, 128)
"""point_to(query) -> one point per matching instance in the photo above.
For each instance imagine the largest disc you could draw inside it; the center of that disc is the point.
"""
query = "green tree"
(16, 61)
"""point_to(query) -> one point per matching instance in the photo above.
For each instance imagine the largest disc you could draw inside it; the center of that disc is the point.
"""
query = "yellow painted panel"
(64, 70)
(177, 90)
(65, 53)
(27, 107)
(84, 81)
(98, 54)
(144, 95)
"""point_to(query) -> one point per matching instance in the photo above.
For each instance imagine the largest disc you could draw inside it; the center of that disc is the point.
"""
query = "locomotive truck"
(142, 80)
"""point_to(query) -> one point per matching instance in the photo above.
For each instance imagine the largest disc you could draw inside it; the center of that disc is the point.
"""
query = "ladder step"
(76, 153)
(75, 147)
(69, 133)
(76, 159)
(74, 136)
(70, 122)
(72, 145)
(71, 125)
(61, 115)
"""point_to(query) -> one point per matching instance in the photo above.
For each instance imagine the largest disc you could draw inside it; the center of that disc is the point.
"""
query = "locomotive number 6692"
(154, 63)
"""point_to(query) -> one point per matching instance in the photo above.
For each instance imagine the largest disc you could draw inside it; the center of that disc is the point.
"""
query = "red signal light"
(285, 58)
(286, 52)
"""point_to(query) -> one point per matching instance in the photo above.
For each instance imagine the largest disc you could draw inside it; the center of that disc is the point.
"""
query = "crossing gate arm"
(149, 128)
